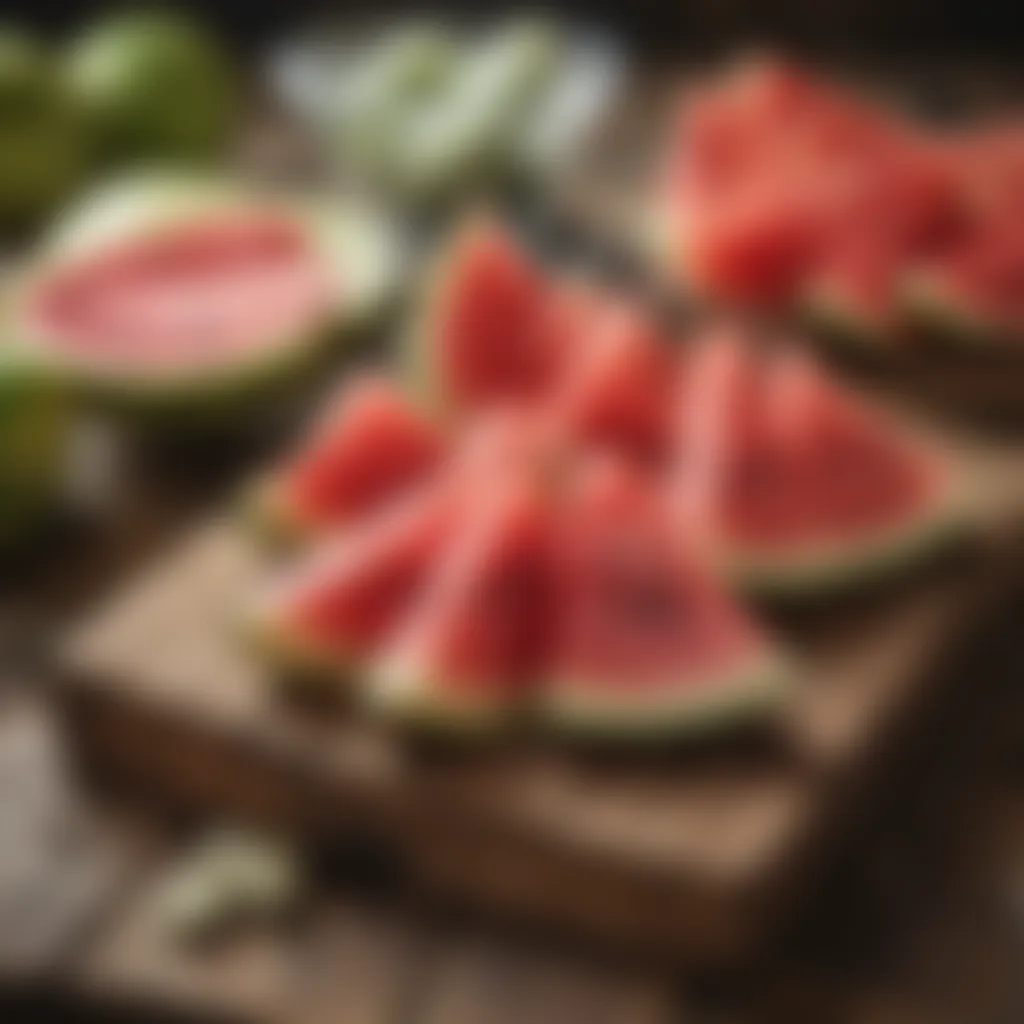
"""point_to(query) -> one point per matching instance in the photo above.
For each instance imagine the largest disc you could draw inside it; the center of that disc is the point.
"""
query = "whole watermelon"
(156, 86)
(42, 142)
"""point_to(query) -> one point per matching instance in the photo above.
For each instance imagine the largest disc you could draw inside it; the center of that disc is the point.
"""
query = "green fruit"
(156, 87)
(33, 434)
(403, 71)
(42, 142)
(468, 134)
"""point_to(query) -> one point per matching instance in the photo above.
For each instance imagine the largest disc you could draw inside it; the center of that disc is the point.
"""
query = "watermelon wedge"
(371, 446)
(478, 338)
(330, 612)
(186, 298)
(648, 643)
(617, 395)
(798, 486)
(467, 655)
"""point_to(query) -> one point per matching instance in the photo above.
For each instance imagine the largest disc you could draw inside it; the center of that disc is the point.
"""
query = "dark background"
(981, 28)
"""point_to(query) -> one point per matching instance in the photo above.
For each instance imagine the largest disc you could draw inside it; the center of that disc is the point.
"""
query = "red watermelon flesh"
(738, 480)
(370, 447)
(990, 165)
(508, 442)
(866, 474)
(334, 608)
(618, 393)
(647, 638)
(483, 341)
(791, 470)
(775, 178)
(469, 649)
(756, 247)
(570, 313)
(198, 296)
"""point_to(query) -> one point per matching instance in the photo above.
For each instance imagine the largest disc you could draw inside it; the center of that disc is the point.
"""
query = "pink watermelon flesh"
(197, 297)
(645, 627)
(508, 442)
(485, 341)
(618, 394)
(473, 643)
(336, 606)
(370, 448)
(785, 464)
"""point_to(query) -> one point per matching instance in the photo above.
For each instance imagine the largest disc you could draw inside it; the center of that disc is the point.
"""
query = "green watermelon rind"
(430, 704)
(418, 369)
(706, 705)
(939, 311)
(849, 563)
(271, 518)
(829, 315)
(295, 660)
(144, 208)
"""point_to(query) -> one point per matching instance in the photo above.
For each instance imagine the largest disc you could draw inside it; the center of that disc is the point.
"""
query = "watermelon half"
(467, 656)
(331, 611)
(797, 485)
(648, 642)
(370, 446)
(178, 296)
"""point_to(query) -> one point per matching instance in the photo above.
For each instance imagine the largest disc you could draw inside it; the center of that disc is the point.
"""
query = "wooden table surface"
(915, 922)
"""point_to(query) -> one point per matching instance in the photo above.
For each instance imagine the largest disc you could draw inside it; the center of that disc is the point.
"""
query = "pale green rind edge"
(849, 564)
(431, 706)
(712, 704)
(270, 519)
(937, 310)
(295, 662)
(828, 314)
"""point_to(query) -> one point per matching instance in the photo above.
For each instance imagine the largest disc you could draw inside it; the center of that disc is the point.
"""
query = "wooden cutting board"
(690, 854)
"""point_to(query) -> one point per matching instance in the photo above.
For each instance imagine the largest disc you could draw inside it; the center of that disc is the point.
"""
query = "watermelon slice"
(370, 447)
(167, 296)
(648, 643)
(617, 396)
(331, 611)
(798, 486)
(479, 339)
(467, 655)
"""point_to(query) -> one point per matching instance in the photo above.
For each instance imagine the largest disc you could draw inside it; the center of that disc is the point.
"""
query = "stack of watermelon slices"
(783, 191)
(567, 540)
